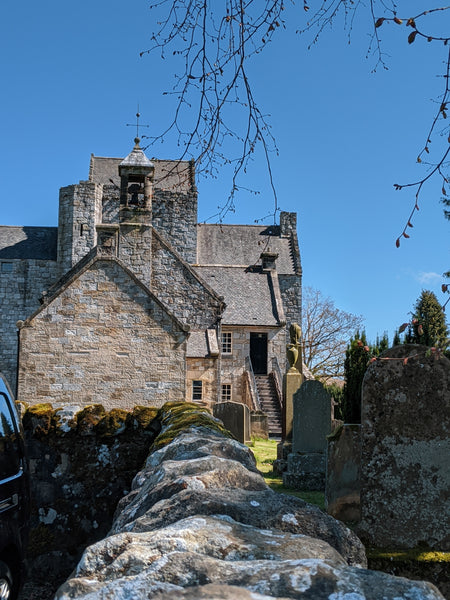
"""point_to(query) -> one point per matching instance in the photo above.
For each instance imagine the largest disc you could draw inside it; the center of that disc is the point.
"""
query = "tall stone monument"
(405, 449)
(292, 380)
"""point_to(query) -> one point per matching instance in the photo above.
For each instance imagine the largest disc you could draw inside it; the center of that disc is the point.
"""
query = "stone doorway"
(258, 353)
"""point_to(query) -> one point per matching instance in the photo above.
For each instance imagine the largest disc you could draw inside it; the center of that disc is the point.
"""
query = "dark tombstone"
(311, 425)
(405, 467)
(343, 481)
(236, 418)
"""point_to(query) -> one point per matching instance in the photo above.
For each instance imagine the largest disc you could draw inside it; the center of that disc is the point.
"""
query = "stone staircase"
(270, 404)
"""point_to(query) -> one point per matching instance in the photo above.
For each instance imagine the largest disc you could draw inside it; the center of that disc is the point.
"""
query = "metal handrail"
(252, 382)
(278, 379)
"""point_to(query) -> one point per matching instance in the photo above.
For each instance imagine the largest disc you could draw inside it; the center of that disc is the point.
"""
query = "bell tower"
(135, 213)
(136, 187)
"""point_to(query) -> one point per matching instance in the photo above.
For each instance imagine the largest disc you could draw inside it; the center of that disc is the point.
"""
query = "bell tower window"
(136, 186)
(135, 191)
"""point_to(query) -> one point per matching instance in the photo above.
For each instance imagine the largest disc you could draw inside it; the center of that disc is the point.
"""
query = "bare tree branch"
(216, 116)
(326, 331)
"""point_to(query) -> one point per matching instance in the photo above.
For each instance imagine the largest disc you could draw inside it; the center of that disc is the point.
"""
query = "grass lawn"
(265, 452)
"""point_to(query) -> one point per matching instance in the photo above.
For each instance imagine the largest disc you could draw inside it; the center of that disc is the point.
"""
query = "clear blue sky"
(72, 78)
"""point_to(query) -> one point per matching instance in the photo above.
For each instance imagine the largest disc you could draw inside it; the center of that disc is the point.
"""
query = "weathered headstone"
(405, 467)
(259, 424)
(343, 481)
(236, 418)
(311, 425)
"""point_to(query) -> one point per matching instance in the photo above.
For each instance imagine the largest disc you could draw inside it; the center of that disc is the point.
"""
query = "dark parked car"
(14, 498)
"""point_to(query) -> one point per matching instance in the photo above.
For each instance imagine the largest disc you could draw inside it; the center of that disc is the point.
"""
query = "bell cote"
(136, 186)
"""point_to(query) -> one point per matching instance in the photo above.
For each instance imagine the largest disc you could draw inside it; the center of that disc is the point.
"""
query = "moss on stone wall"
(416, 563)
(113, 423)
(88, 418)
(176, 417)
(144, 416)
(40, 418)
(40, 540)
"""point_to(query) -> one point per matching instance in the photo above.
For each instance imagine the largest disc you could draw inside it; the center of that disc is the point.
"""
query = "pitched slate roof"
(247, 295)
(28, 242)
(169, 174)
(136, 158)
(242, 245)
(197, 345)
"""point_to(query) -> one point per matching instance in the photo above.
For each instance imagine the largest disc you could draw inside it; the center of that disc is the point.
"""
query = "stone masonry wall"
(20, 290)
(79, 212)
(233, 366)
(205, 370)
(104, 340)
(175, 216)
(135, 246)
(180, 290)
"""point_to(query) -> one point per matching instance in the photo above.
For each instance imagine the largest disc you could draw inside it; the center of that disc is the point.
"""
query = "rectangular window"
(7, 267)
(226, 342)
(197, 389)
(226, 392)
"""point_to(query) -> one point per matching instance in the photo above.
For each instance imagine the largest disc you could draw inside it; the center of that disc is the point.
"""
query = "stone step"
(269, 403)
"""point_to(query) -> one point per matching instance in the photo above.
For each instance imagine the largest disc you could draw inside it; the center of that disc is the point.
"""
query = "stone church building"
(130, 301)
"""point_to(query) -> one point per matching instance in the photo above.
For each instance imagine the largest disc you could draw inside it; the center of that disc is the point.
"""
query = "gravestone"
(236, 418)
(405, 467)
(343, 481)
(311, 425)
(259, 424)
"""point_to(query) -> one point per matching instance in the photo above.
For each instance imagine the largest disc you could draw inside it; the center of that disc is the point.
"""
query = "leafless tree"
(326, 331)
(214, 41)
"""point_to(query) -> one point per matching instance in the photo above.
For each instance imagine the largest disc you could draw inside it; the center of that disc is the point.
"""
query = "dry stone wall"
(82, 462)
(200, 522)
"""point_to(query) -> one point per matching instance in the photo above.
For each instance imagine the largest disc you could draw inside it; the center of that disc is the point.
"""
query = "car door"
(14, 499)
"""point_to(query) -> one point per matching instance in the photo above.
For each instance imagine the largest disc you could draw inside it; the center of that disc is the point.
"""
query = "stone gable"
(103, 339)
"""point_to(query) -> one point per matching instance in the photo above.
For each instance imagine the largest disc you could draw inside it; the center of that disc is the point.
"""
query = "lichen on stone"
(40, 540)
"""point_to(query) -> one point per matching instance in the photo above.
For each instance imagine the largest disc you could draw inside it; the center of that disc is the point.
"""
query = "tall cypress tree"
(355, 365)
(357, 358)
(428, 325)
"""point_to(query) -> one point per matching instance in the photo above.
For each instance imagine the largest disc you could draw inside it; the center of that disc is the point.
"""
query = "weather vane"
(137, 124)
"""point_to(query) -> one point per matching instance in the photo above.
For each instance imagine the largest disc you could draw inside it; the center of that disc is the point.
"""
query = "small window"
(197, 389)
(226, 342)
(226, 392)
(7, 267)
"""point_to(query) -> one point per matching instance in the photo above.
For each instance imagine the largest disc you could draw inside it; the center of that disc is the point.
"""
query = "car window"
(9, 444)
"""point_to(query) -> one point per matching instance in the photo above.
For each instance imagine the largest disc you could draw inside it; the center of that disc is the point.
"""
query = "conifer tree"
(428, 326)
(397, 340)
(356, 359)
